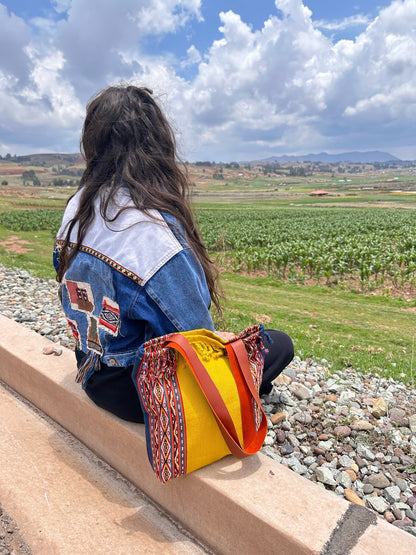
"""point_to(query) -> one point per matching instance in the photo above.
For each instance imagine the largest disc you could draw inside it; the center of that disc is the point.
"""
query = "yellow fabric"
(205, 442)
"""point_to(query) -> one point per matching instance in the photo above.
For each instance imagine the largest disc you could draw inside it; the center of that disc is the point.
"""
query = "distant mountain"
(49, 159)
(353, 157)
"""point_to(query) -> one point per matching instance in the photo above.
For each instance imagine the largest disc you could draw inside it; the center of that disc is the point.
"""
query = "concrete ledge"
(244, 507)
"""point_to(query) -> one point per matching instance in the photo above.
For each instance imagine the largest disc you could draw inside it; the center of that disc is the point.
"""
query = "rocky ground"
(350, 433)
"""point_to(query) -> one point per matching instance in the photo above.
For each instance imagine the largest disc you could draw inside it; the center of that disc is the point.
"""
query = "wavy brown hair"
(127, 141)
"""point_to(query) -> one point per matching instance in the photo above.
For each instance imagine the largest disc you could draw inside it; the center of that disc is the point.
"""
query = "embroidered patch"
(80, 295)
(93, 341)
(73, 326)
(109, 318)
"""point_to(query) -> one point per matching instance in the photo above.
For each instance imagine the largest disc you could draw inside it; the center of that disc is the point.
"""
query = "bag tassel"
(89, 365)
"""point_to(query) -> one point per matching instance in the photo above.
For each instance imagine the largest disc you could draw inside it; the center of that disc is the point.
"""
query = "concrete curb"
(244, 507)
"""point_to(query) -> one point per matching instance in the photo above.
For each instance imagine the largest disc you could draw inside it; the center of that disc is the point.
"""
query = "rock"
(346, 397)
(303, 417)
(353, 497)
(411, 501)
(392, 494)
(283, 379)
(389, 516)
(398, 416)
(280, 436)
(380, 408)
(412, 423)
(365, 452)
(345, 461)
(368, 488)
(402, 523)
(325, 476)
(361, 425)
(344, 480)
(411, 514)
(342, 431)
(301, 392)
(351, 474)
(325, 445)
(379, 481)
(378, 504)
(286, 449)
(278, 417)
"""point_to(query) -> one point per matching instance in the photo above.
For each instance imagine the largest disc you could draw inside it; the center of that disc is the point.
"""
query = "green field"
(336, 273)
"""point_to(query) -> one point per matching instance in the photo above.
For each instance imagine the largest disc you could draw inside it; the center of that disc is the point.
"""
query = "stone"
(412, 423)
(402, 523)
(301, 392)
(368, 488)
(378, 504)
(345, 461)
(389, 516)
(379, 481)
(365, 452)
(361, 425)
(283, 379)
(331, 398)
(353, 497)
(342, 431)
(379, 408)
(351, 474)
(278, 417)
(326, 445)
(303, 417)
(392, 494)
(286, 449)
(346, 397)
(398, 416)
(280, 436)
(411, 514)
(344, 480)
(325, 476)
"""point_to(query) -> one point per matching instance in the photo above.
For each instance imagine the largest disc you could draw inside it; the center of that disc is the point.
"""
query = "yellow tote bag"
(199, 395)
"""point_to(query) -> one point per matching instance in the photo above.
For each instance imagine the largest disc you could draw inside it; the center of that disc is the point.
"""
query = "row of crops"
(375, 246)
(31, 220)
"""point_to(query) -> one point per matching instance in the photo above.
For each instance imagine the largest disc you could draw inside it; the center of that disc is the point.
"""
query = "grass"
(370, 333)
(29, 250)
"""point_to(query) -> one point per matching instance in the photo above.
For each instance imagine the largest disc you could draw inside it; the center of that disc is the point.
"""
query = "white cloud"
(284, 88)
(352, 21)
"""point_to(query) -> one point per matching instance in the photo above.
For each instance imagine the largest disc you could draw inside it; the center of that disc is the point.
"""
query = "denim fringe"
(90, 364)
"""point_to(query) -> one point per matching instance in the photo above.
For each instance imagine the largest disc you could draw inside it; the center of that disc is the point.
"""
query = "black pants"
(113, 388)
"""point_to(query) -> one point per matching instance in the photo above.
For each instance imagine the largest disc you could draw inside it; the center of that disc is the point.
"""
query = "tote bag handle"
(253, 439)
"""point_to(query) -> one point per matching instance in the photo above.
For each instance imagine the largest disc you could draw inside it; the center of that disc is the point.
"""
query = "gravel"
(351, 433)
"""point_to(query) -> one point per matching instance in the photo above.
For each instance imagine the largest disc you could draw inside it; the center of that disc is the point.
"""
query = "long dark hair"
(127, 141)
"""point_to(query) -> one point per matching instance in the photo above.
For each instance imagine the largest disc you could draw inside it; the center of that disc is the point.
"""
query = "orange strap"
(240, 367)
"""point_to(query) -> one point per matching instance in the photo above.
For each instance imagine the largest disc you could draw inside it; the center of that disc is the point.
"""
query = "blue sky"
(239, 80)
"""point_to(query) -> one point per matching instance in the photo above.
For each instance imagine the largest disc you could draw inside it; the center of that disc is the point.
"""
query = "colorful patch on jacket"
(80, 295)
(73, 326)
(93, 341)
(109, 318)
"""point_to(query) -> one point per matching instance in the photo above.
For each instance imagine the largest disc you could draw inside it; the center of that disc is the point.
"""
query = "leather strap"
(253, 439)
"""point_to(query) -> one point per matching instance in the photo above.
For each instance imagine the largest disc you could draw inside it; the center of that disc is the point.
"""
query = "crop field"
(373, 247)
(338, 273)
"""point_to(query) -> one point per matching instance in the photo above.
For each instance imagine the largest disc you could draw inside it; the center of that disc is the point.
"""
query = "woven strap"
(253, 439)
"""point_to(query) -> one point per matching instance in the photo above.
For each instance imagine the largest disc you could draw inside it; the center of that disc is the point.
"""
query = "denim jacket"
(133, 279)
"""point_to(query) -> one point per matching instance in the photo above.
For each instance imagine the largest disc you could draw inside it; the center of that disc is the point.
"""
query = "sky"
(239, 80)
